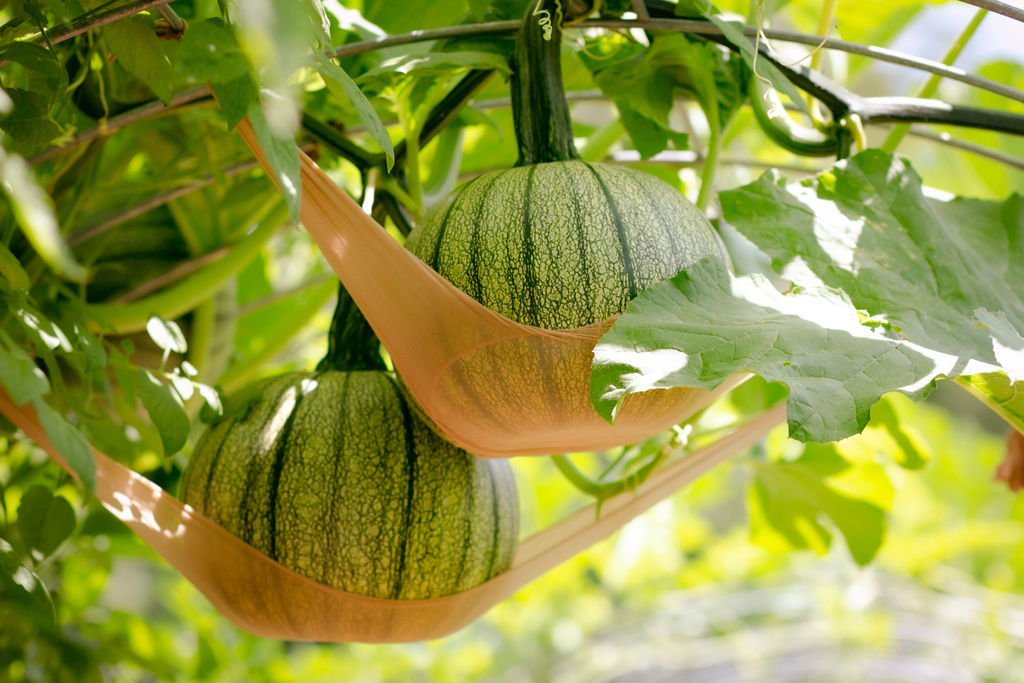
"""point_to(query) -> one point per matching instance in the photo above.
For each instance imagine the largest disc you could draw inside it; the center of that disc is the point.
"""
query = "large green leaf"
(892, 290)
(705, 325)
(944, 274)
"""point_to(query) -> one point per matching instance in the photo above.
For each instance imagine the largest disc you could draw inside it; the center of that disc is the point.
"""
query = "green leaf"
(69, 442)
(1004, 397)
(479, 8)
(861, 233)
(643, 94)
(40, 60)
(788, 499)
(909, 448)
(44, 520)
(235, 98)
(165, 409)
(283, 157)
(29, 121)
(12, 271)
(733, 32)
(336, 79)
(166, 335)
(209, 53)
(141, 53)
(405, 67)
(34, 212)
(19, 374)
(213, 406)
(717, 79)
(943, 274)
(704, 325)
(109, 439)
(17, 571)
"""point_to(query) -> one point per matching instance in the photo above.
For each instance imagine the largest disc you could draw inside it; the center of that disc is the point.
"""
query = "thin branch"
(421, 36)
(677, 158)
(695, 26)
(166, 278)
(695, 157)
(158, 200)
(116, 123)
(687, 25)
(916, 110)
(980, 150)
(640, 9)
(878, 53)
(337, 141)
(997, 7)
(87, 23)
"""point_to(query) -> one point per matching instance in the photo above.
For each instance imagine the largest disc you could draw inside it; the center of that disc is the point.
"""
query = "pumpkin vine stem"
(351, 343)
(539, 108)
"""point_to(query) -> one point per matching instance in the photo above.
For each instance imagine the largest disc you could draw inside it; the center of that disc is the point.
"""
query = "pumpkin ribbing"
(562, 244)
(333, 475)
(557, 242)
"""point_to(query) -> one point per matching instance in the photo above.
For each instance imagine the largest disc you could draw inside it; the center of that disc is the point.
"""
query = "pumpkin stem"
(351, 343)
(539, 109)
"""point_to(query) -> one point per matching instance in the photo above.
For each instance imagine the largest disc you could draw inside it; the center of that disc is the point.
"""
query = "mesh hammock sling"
(270, 600)
(493, 386)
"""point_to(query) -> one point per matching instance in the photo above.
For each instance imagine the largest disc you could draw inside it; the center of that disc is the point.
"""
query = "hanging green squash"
(332, 474)
(557, 242)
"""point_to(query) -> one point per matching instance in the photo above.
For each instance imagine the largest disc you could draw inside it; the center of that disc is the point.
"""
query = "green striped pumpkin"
(331, 474)
(557, 242)
(562, 244)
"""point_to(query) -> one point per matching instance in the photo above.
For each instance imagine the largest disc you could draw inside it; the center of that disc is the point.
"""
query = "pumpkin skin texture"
(562, 244)
(332, 475)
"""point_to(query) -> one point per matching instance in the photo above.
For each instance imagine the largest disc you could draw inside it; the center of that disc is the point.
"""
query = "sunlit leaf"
(166, 335)
(910, 450)
(788, 499)
(15, 569)
(69, 442)
(943, 274)
(33, 210)
(705, 325)
(336, 78)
